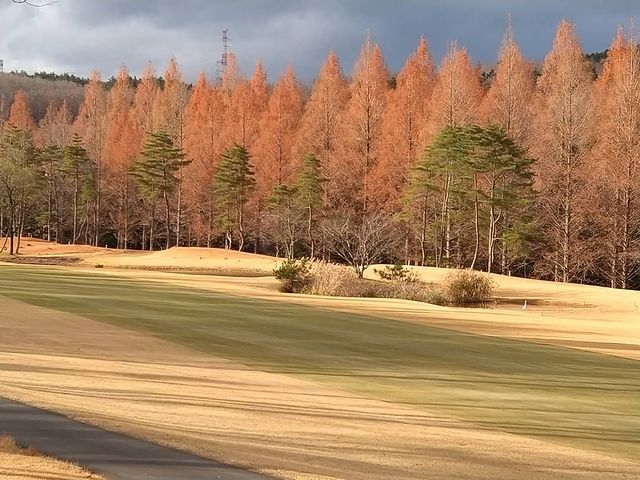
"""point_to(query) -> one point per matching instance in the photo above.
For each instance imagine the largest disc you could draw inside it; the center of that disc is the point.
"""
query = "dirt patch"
(42, 260)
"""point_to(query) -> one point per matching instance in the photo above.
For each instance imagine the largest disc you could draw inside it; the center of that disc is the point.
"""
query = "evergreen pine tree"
(155, 171)
(232, 184)
(77, 164)
(309, 193)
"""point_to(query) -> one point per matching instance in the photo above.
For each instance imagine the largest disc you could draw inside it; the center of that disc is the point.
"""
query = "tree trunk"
(76, 188)
(12, 226)
(566, 239)
(476, 222)
(167, 219)
(423, 234)
(49, 213)
(179, 215)
(624, 274)
(151, 224)
(312, 245)
(126, 214)
(240, 227)
(96, 225)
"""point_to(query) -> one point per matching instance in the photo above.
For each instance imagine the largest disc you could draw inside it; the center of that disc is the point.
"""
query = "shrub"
(330, 279)
(467, 287)
(396, 273)
(294, 275)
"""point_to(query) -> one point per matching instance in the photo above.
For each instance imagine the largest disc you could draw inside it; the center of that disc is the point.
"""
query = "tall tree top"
(259, 84)
(565, 60)
(230, 74)
(419, 65)
(20, 115)
(458, 92)
(370, 65)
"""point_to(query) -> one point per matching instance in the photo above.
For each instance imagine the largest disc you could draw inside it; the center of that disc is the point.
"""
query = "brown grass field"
(250, 411)
(17, 463)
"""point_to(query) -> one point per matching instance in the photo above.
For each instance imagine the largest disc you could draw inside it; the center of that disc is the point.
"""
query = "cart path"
(114, 455)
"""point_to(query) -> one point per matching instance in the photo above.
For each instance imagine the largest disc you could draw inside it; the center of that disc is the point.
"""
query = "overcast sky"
(79, 35)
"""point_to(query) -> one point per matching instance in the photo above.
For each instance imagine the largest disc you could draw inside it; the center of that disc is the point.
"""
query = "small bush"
(467, 287)
(330, 279)
(396, 273)
(294, 275)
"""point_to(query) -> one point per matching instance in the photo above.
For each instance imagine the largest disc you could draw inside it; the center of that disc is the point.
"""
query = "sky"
(77, 36)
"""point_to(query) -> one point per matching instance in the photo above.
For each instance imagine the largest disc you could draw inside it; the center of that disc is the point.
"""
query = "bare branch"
(32, 4)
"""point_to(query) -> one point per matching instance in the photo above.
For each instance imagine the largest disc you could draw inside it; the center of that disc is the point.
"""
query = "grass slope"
(566, 396)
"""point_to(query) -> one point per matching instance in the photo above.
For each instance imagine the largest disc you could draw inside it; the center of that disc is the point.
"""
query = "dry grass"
(293, 428)
(17, 463)
(9, 445)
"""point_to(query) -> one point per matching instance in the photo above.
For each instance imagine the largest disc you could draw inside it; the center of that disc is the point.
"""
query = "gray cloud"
(80, 35)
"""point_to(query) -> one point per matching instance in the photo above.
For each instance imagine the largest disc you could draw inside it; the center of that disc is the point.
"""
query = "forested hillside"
(525, 170)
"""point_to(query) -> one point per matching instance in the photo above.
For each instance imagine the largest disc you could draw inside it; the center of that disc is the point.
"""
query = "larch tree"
(121, 147)
(562, 146)
(230, 75)
(55, 128)
(144, 102)
(274, 158)
(403, 125)
(171, 103)
(508, 102)
(457, 93)
(360, 132)
(20, 114)
(245, 105)
(320, 124)
(617, 159)
(202, 145)
(90, 124)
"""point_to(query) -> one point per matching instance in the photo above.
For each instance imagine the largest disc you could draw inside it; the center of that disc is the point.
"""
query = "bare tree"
(361, 242)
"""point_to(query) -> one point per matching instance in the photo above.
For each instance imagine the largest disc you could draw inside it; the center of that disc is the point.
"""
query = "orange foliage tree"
(121, 147)
(320, 123)
(508, 102)
(350, 171)
(273, 153)
(562, 146)
(245, 104)
(403, 125)
(617, 159)
(90, 125)
(20, 113)
(202, 145)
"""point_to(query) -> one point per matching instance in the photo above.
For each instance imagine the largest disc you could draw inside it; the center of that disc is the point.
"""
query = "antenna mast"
(224, 58)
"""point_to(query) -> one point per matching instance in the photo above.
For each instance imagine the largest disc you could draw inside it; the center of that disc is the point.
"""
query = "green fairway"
(558, 394)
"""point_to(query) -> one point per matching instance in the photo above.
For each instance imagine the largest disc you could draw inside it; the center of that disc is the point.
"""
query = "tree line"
(522, 172)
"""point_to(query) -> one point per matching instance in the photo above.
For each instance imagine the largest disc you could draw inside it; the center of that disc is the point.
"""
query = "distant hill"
(41, 89)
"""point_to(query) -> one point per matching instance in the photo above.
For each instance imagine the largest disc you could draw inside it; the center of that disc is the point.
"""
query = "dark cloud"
(79, 35)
